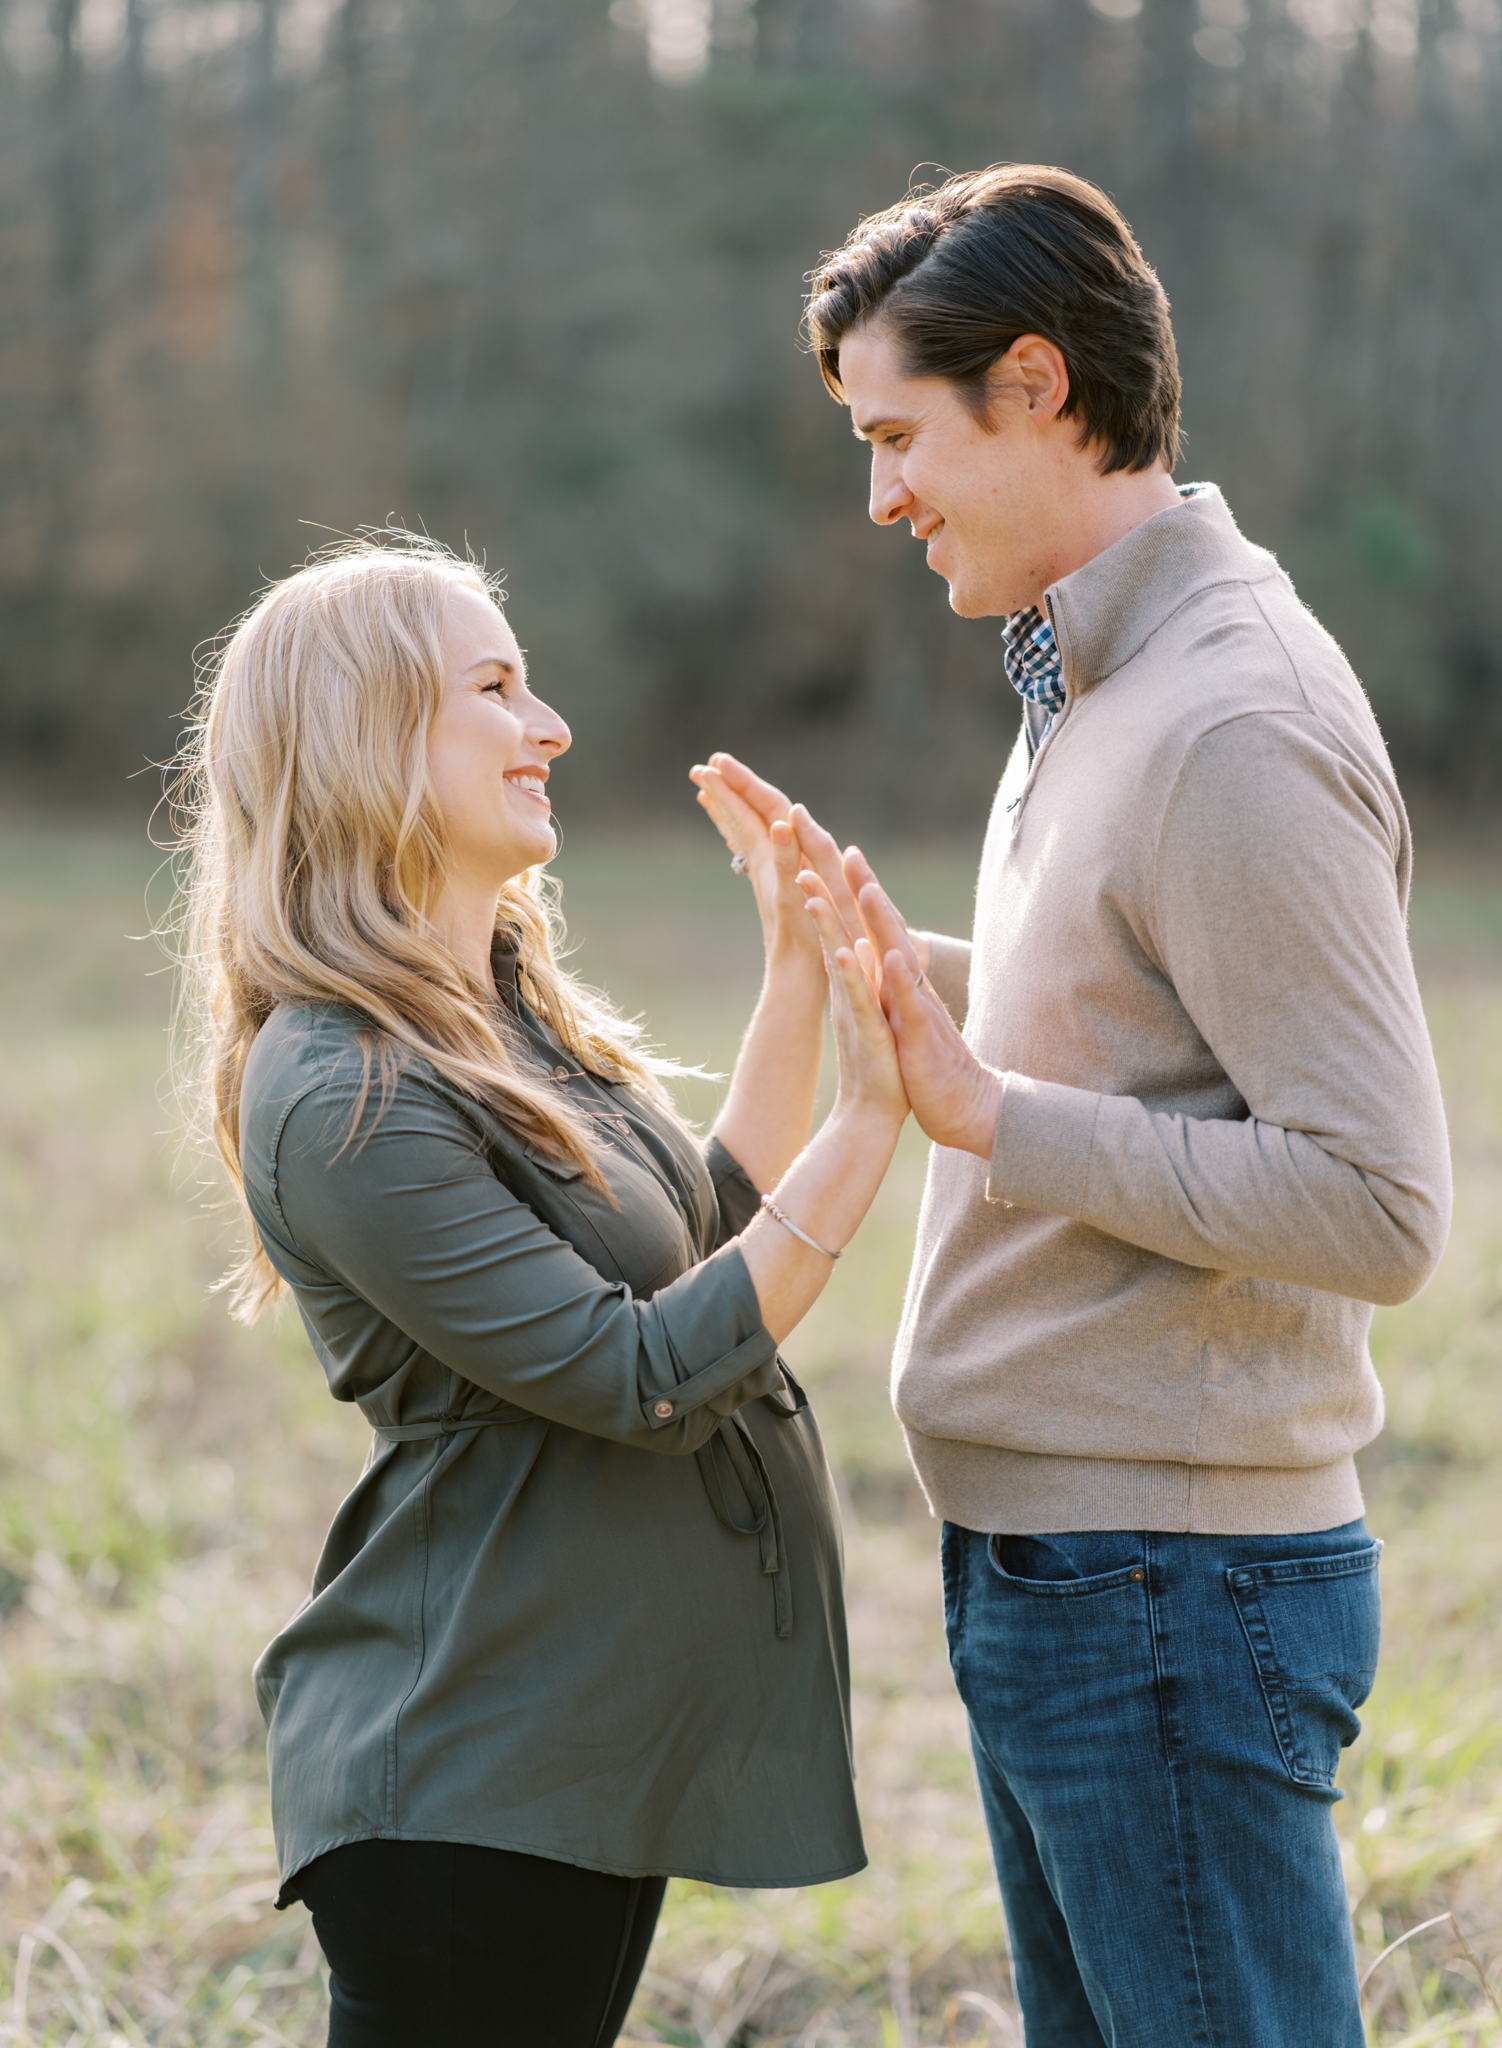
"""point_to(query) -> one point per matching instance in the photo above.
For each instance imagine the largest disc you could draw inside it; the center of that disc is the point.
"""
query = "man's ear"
(1032, 373)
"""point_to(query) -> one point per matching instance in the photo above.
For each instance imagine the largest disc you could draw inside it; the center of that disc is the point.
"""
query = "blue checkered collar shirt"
(1030, 655)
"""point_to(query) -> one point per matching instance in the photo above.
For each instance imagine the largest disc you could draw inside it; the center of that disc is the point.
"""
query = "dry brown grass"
(165, 1479)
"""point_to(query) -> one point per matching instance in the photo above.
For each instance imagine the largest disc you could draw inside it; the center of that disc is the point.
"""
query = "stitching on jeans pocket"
(1066, 1589)
(1312, 1626)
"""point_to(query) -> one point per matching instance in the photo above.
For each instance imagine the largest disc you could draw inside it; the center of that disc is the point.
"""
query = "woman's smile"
(487, 724)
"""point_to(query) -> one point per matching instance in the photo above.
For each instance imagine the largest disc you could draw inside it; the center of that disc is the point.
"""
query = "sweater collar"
(1106, 612)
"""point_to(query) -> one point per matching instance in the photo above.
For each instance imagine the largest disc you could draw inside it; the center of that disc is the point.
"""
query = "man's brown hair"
(956, 275)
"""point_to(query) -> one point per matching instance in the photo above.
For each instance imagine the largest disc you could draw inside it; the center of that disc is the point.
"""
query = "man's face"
(985, 502)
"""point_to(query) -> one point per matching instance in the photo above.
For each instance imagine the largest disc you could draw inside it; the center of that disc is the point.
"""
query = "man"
(1190, 1131)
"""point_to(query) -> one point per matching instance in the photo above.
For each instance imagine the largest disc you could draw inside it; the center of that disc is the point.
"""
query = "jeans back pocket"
(1313, 1626)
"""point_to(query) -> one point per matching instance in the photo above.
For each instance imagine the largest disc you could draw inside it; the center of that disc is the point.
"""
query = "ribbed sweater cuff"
(1041, 1155)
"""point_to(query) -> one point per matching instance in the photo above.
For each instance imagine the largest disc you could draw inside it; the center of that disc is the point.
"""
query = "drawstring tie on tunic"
(732, 1444)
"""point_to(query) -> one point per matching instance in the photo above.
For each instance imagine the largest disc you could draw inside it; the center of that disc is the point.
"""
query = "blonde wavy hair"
(312, 848)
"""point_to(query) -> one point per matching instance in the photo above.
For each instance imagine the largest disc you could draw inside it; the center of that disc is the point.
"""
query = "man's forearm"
(1239, 1196)
(946, 961)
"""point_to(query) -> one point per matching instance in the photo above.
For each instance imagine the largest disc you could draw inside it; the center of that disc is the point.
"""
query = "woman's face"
(490, 748)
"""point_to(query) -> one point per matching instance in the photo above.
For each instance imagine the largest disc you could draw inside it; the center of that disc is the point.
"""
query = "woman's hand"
(765, 1118)
(826, 1191)
(762, 835)
(870, 1077)
(763, 801)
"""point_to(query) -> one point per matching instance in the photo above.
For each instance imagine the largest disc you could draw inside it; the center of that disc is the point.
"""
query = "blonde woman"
(578, 1627)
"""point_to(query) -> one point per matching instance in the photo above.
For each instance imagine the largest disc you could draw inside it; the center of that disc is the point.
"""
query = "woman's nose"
(551, 732)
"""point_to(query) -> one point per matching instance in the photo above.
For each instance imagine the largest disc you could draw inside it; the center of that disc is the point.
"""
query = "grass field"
(165, 1479)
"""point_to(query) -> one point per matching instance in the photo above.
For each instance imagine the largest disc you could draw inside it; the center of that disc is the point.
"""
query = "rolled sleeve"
(735, 1192)
(710, 1387)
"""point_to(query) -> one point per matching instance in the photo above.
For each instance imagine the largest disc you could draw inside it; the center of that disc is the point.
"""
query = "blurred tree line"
(528, 273)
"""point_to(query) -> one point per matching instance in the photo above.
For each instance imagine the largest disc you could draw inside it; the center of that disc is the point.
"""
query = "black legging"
(444, 1945)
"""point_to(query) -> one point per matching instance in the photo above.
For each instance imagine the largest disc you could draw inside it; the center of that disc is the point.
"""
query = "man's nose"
(890, 496)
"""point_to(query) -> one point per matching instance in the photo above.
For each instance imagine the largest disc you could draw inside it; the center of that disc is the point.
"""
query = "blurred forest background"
(529, 272)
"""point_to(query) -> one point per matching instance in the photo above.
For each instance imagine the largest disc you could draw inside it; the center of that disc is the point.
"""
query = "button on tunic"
(585, 1599)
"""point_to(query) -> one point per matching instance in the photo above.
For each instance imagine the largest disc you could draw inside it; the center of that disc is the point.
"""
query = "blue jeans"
(1156, 1722)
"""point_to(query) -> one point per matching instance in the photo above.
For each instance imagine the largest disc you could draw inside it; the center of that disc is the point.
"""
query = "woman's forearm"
(830, 1185)
(769, 1109)
(826, 1192)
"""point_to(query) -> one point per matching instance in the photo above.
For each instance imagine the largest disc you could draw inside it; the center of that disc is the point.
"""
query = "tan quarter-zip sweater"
(1221, 1136)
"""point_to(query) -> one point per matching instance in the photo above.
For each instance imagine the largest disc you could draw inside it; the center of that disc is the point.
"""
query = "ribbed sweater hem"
(1028, 1493)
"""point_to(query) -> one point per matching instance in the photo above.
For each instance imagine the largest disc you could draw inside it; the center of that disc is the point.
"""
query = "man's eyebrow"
(865, 430)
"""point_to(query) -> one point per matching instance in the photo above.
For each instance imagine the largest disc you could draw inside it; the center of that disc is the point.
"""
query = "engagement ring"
(737, 863)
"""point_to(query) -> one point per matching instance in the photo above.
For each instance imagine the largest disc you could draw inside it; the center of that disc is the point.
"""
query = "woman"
(578, 1628)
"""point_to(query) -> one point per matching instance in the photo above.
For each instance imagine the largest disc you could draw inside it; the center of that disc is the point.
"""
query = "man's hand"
(955, 1099)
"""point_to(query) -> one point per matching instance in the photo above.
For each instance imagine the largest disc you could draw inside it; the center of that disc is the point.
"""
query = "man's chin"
(973, 604)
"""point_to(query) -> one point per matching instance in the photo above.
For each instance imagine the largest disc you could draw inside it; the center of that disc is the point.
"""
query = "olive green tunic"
(585, 1599)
